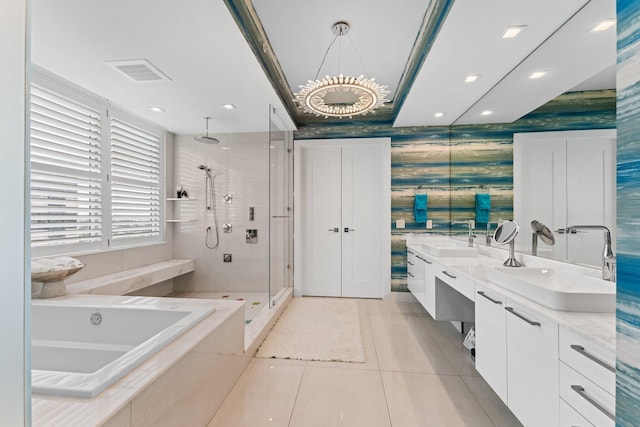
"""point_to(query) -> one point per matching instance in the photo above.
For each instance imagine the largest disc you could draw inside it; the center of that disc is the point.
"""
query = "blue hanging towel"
(483, 206)
(420, 208)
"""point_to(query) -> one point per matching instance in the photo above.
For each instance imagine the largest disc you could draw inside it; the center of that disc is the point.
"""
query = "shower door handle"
(335, 229)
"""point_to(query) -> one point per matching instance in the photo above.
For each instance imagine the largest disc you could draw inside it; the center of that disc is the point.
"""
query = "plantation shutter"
(135, 183)
(66, 204)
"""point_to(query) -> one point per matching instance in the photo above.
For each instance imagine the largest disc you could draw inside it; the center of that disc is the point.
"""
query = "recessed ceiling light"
(537, 74)
(156, 109)
(486, 112)
(604, 25)
(471, 78)
(512, 32)
(229, 106)
(438, 114)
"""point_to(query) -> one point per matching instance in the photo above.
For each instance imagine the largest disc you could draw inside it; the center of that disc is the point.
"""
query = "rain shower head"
(206, 138)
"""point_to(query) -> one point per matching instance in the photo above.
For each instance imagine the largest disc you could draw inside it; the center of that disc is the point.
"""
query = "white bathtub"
(80, 347)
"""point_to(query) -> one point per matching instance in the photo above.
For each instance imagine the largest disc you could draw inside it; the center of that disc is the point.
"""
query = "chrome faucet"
(608, 258)
(470, 224)
(488, 235)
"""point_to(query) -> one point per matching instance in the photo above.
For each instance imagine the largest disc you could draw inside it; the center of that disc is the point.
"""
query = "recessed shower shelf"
(181, 220)
(180, 199)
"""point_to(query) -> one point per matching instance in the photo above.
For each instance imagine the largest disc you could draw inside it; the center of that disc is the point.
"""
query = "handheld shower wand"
(209, 205)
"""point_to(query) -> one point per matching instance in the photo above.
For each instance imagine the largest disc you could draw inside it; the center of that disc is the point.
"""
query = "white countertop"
(600, 327)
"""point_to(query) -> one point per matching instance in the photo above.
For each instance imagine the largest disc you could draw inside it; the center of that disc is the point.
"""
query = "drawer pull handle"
(427, 261)
(495, 301)
(419, 257)
(449, 274)
(410, 274)
(411, 252)
(580, 390)
(580, 349)
(409, 262)
(515, 313)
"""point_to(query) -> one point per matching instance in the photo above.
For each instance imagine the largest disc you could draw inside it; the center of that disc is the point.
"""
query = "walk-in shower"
(243, 210)
(210, 207)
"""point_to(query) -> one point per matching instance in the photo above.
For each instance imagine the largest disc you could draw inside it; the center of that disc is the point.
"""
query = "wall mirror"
(563, 179)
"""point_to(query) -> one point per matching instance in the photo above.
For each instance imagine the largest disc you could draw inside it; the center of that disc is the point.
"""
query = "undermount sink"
(556, 289)
(448, 248)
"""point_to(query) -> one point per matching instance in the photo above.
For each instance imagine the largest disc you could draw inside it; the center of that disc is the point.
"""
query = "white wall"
(14, 311)
(241, 165)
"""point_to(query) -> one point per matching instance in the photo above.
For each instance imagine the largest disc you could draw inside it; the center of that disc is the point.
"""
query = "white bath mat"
(326, 329)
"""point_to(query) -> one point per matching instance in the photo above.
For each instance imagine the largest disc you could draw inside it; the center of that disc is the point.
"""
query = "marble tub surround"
(183, 384)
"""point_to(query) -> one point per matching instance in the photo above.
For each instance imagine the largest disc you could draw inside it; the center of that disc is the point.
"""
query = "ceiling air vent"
(139, 70)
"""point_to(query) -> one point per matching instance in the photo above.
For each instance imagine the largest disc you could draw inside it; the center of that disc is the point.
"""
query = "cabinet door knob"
(495, 301)
(347, 229)
(335, 229)
(580, 349)
(515, 313)
(449, 274)
(581, 391)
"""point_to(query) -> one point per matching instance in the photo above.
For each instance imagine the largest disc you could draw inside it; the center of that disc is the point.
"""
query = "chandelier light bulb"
(341, 96)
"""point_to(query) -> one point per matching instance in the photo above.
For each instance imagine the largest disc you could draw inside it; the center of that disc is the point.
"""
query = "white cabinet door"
(342, 224)
(491, 339)
(532, 367)
(321, 238)
(362, 220)
(429, 273)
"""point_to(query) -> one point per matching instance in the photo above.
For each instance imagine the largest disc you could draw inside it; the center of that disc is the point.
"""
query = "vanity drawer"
(569, 417)
(591, 401)
(588, 358)
(457, 281)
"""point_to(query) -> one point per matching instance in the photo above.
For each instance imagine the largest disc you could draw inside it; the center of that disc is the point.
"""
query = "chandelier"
(341, 96)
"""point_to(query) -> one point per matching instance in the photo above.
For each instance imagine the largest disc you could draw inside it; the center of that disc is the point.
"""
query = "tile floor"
(417, 374)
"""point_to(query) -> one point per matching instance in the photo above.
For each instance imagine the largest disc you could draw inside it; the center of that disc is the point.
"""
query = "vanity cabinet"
(415, 275)
(429, 272)
(491, 339)
(587, 379)
(532, 366)
(517, 354)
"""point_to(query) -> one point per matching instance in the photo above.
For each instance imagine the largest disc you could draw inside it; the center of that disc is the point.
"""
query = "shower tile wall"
(240, 163)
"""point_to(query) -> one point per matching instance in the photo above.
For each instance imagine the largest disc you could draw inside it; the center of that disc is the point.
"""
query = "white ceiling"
(382, 34)
(199, 46)
(556, 40)
(194, 42)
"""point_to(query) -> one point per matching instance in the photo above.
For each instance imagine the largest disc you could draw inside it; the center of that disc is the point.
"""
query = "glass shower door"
(280, 218)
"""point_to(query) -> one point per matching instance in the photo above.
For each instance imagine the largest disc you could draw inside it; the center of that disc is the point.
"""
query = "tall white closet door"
(361, 221)
(321, 221)
(342, 222)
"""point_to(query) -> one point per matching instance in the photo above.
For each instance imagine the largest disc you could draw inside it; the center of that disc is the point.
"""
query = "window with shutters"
(135, 182)
(96, 173)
